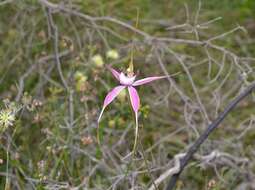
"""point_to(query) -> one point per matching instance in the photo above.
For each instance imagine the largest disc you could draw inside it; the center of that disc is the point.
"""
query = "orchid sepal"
(114, 72)
(109, 98)
(147, 80)
(135, 103)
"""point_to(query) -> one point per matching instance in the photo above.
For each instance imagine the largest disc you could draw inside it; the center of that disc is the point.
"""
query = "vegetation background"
(53, 81)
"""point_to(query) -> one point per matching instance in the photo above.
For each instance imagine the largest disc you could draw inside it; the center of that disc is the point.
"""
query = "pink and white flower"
(129, 82)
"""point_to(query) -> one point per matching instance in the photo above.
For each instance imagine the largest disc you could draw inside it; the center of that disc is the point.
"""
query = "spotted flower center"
(126, 80)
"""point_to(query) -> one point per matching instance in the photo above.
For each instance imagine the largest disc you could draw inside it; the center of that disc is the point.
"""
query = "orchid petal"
(114, 72)
(135, 102)
(147, 80)
(110, 97)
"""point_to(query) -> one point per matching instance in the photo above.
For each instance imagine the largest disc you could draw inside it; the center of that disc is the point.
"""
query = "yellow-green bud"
(98, 60)
(112, 54)
(111, 123)
(80, 79)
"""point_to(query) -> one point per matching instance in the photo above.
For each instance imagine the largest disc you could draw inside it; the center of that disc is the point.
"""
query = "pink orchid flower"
(130, 83)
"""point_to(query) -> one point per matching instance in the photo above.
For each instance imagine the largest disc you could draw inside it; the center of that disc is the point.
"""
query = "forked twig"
(207, 132)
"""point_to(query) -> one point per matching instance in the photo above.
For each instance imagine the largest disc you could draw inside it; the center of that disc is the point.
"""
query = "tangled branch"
(207, 132)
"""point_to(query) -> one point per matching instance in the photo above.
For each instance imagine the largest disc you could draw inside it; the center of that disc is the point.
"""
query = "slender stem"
(7, 180)
(207, 132)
